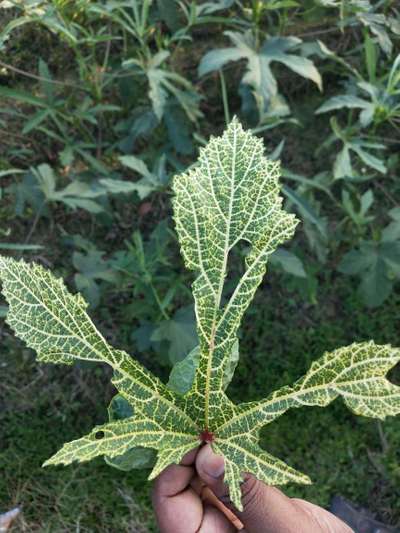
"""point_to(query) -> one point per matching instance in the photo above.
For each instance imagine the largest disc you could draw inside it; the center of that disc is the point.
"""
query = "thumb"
(210, 468)
(265, 509)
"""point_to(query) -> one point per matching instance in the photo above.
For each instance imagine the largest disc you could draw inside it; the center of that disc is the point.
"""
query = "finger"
(215, 522)
(189, 457)
(175, 504)
(174, 479)
(182, 513)
(210, 468)
(265, 509)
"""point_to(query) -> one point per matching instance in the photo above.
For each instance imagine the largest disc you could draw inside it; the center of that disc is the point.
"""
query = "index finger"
(175, 478)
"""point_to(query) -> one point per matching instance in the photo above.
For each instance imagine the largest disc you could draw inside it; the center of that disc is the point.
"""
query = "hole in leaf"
(235, 269)
(99, 435)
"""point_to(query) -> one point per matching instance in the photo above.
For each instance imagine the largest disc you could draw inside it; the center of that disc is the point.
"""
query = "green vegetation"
(101, 104)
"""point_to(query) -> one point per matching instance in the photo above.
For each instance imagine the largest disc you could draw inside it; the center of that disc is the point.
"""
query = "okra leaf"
(230, 196)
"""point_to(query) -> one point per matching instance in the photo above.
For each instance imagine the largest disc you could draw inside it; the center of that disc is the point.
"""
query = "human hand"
(180, 509)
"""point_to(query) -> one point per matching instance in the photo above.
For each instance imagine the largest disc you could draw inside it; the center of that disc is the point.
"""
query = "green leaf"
(352, 263)
(342, 166)
(170, 14)
(46, 179)
(75, 195)
(344, 100)
(93, 161)
(183, 373)
(229, 196)
(22, 96)
(375, 263)
(392, 232)
(216, 59)
(46, 80)
(36, 120)
(179, 129)
(134, 458)
(165, 84)
(395, 214)
(136, 164)
(369, 159)
(142, 187)
(10, 171)
(305, 209)
(375, 286)
(391, 256)
(371, 57)
(149, 183)
(258, 73)
(180, 332)
(375, 23)
(289, 262)
(281, 4)
(92, 269)
(212, 7)
(277, 48)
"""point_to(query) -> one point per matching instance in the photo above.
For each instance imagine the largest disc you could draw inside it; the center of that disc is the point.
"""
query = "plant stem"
(34, 224)
(39, 78)
(224, 98)
(157, 298)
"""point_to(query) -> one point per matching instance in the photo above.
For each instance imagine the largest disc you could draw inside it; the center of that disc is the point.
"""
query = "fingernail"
(214, 465)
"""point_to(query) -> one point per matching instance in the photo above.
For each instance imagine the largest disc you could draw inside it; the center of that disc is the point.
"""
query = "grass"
(43, 406)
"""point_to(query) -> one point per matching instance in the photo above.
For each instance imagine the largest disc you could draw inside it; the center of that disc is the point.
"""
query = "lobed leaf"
(230, 196)
(259, 75)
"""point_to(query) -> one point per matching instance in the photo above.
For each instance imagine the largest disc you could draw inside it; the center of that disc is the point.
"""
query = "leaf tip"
(48, 462)
(4, 262)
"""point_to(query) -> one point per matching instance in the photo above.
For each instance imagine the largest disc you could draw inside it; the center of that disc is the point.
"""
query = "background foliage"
(101, 103)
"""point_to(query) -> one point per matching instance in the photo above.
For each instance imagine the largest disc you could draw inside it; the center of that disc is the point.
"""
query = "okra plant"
(230, 196)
